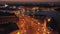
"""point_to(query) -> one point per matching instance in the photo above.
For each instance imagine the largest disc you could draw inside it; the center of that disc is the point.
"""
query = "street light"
(6, 5)
(49, 19)
(18, 32)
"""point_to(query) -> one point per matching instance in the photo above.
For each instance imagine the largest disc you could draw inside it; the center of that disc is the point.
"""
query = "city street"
(29, 25)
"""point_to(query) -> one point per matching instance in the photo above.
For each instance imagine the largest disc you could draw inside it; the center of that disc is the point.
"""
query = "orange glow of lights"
(44, 33)
(22, 24)
(16, 13)
(37, 32)
(48, 32)
(38, 29)
(44, 25)
(18, 32)
(23, 15)
(24, 30)
(28, 16)
(31, 25)
(38, 23)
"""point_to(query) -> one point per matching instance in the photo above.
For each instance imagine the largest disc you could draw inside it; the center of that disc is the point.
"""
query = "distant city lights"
(6, 5)
(14, 7)
(49, 19)
(18, 32)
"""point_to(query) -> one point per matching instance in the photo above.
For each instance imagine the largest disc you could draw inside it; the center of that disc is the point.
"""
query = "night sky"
(32, 0)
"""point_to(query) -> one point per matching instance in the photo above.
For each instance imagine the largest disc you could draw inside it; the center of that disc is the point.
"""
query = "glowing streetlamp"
(49, 19)
(18, 32)
(6, 5)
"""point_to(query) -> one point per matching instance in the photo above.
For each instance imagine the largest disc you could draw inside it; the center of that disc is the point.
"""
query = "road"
(29, 25)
